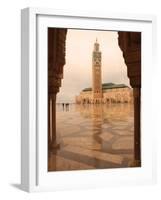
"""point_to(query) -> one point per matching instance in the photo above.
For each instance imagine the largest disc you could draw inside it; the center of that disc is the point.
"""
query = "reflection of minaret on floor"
(96, 74)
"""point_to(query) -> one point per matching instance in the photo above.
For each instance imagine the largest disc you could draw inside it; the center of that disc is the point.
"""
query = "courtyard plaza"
(93, 136)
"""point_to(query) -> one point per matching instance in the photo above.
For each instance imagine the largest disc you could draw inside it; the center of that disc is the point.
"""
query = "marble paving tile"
(124, 132)
(59, 163)
(118, 127)
(106, 125)
(92, 128)
(84, 142)
(68, 130)
(123, 143)
(96, 154)
(106, 136)
(128, 156)
(88, 133)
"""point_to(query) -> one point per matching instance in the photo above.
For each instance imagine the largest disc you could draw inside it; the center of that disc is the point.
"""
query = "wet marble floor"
(93, 137)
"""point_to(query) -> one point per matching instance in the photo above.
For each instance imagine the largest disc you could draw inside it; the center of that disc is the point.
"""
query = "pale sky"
(78, 67)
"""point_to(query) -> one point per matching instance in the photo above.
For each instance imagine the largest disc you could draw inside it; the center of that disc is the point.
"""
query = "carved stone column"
(137, 152)
(52, 121)
(56, 61)
(130, 44)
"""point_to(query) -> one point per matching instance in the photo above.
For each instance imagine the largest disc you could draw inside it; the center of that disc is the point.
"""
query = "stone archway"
(56, 62)
(130, 44)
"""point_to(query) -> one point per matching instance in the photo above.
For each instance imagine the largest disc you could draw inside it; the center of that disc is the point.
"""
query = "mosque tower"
(96, 74)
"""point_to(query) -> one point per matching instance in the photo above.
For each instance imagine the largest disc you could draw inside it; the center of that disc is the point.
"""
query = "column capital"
(130, 44)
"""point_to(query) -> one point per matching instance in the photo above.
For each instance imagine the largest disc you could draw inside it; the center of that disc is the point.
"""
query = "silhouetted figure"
(67, 106)
(63, 106)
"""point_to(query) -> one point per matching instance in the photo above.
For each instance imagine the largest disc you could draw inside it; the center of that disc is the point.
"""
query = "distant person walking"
(67, 106)
(63, 106)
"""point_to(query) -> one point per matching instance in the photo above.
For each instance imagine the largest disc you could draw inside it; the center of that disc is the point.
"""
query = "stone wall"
(118, 95)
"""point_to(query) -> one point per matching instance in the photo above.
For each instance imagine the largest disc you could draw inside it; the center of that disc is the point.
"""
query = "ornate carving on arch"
(56, 58)
(130, 44)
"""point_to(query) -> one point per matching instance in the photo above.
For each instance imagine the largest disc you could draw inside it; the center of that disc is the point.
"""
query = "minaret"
(96, 74)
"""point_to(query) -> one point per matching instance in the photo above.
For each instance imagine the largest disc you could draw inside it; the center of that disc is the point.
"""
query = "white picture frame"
(34, 176)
